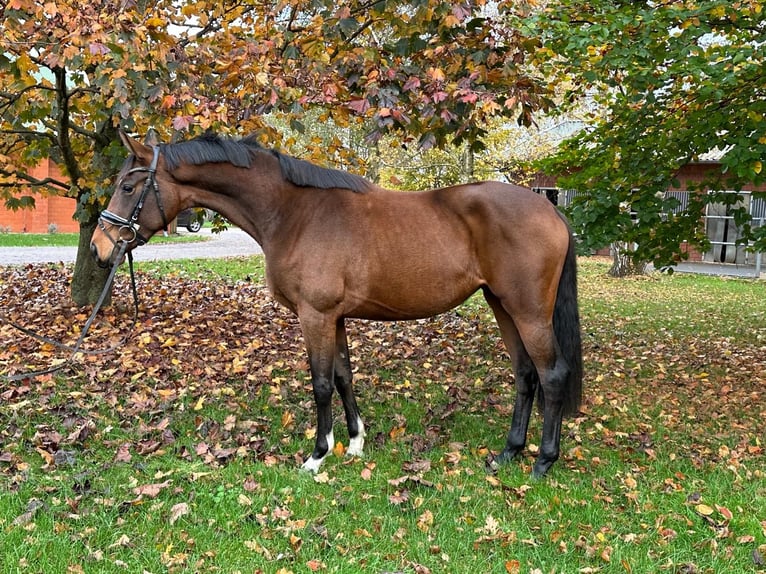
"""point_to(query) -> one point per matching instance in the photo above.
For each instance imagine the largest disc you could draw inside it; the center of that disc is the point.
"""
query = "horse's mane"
(213, 148)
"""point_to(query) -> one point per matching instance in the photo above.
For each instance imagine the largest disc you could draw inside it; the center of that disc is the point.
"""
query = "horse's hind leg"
(526, 380)
(346, 392)
(541, 344)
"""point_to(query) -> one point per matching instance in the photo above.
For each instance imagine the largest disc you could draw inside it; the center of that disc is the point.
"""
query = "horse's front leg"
(346, 391)
(319, 333)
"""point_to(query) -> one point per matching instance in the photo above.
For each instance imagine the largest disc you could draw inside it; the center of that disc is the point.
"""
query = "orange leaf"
(168, 102)
(339, 450)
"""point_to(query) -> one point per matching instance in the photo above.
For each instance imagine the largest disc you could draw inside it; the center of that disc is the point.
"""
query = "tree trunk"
(623, 263)
(467, 161)
(88, 279)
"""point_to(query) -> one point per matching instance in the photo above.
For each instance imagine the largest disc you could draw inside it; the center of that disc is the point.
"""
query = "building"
(719, 222)
(51, 213)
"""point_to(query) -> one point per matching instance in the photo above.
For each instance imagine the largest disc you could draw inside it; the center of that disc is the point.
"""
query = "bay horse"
(338, 246)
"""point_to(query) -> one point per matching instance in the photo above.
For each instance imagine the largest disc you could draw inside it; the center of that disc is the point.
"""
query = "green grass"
(71, 239)
(229, 269)
(663, 472)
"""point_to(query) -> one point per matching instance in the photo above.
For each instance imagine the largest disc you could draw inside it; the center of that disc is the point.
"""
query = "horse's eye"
(127, 188)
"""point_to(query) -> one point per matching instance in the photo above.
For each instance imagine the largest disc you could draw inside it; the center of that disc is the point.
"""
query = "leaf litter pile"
(675, 383)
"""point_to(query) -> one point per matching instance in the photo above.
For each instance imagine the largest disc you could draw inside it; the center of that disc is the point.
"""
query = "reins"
(76, 348)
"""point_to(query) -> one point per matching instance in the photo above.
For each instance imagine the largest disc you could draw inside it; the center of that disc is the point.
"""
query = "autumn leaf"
(151, 490)
(417, 466)
(339, 450)
(704, 510)
(399, 497)
(322, 477)
(26, 517)
(123, 453)
(366, 473)
(425, 521)
(177, 511)
(122, 541)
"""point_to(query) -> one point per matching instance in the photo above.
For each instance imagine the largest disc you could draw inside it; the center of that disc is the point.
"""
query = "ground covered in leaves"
(178, 452)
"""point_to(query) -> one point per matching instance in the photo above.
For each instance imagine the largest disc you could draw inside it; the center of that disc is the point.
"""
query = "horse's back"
(507, 215)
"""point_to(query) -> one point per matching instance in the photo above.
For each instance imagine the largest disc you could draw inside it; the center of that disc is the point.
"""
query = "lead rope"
(75, 349)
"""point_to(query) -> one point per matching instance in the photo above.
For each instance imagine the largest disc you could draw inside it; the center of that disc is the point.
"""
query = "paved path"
(725, 269)
(230, 243)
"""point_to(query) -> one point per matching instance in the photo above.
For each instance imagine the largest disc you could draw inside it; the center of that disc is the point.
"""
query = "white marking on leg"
(356, 444)
(312, 464)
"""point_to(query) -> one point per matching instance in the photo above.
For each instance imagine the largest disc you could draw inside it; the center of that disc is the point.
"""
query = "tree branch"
(32, 133)
(32, 181)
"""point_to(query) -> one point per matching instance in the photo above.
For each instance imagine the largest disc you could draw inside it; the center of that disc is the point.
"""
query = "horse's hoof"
(541, 468)
(536, 475)
(355, 447)
(311, 465)
(494, 462)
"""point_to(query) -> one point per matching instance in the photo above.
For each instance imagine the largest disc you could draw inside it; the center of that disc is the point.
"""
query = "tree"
(508, 153)
(672, 81)
(72, 73)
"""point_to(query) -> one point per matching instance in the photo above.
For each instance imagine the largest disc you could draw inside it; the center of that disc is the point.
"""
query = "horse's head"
(144, 200)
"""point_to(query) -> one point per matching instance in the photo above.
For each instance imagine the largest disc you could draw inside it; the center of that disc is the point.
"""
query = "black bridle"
(131, 225)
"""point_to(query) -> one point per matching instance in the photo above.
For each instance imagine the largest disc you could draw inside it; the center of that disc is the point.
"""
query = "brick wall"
(49, 210)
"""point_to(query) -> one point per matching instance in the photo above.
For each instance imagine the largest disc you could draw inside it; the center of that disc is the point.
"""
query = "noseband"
(131, 225)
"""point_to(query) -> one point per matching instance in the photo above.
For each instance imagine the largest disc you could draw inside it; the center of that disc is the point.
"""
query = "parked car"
(191, 219)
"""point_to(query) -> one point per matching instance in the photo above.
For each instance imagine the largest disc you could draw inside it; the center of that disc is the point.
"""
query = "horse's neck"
(250, 199)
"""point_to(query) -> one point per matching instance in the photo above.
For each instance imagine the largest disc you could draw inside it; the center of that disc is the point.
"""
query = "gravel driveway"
(231, 243)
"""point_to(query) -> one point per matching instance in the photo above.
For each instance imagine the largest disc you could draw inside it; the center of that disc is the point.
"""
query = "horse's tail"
(566, 326)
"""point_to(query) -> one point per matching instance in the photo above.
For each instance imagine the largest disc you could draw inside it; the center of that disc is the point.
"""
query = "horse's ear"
(152, 139)
(136, 148)
(127, 141)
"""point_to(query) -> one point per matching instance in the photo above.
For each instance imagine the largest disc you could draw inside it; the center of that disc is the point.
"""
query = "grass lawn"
(71, 239)
(182, 454)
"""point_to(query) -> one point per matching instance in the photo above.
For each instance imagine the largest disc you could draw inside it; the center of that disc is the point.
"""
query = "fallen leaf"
(151, 490)
(704, 509)
(417, 466)
(725, 512)
(123, 453)
(177, 511)
(123, 540)
(32, 507)
(339, 450)
(425, 521)
(366, 473)
(322, 477)
(399, 497)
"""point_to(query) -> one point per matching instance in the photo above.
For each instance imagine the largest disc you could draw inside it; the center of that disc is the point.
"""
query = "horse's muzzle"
(104, 264)
(115, 256)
